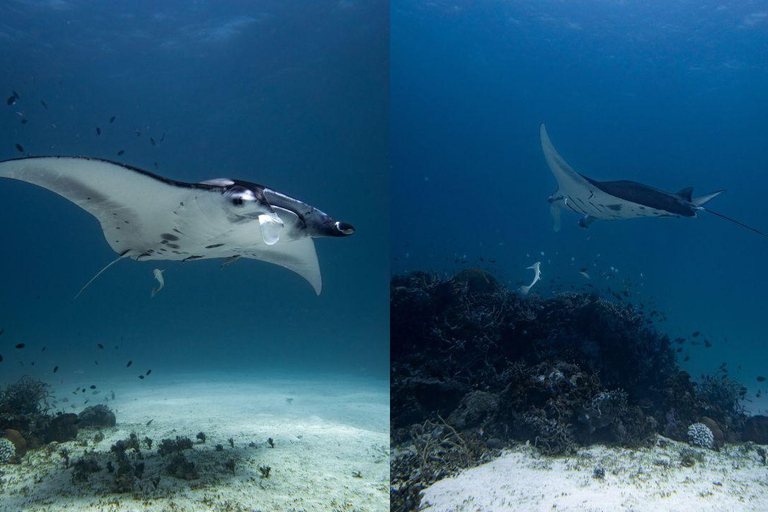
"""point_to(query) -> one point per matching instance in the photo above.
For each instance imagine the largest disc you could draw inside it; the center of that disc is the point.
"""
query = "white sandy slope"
(635, 480)
(331, 447)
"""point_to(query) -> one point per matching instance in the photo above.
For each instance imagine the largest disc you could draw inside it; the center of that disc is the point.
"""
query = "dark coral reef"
(476, 367)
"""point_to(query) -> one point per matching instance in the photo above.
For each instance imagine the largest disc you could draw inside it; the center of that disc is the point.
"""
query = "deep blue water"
(672, 94)
(293, 95)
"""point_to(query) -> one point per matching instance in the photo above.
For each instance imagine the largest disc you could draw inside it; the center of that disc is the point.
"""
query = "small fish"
(112, 119)
(129, 364)
(584, 273)
(148, 372)
(100, 345)
(98, 131)
(150, 422)
(11, 100)
(156, 166)
(44, 104)
(707, 343)
(93, 387)
(696, 334)
(159, 276)
(761, 379)
(23, 121)
(141, 377)
(2, 331)
(55, 369)
(152, 141)
(20, 345)
(43, 350)
(121, 152)
(163, 137)
(19, 148)
(687, 358)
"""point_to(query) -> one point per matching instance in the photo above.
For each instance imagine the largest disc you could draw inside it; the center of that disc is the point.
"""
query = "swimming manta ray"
(149, 217)
(616, 200)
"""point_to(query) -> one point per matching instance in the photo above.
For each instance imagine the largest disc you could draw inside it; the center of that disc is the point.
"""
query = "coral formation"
(17, 439)
(476, 367)
(700, 435)
(7, 451)
(96, 416)
(170, 446)
(181, 468)
(62, 428)
(756, 429)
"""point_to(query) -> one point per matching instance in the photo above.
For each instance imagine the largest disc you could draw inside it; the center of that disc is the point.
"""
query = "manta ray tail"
(736, 222)
(125, 254)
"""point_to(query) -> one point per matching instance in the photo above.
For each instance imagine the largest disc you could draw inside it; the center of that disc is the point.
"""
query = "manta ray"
(616, 200)
(145, 216)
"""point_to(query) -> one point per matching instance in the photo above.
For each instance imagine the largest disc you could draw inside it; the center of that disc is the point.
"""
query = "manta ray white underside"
(579, 194)
(148, 217)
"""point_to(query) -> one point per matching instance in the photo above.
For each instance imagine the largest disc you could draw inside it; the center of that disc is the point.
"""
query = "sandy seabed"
(732, 480)
(331, 447)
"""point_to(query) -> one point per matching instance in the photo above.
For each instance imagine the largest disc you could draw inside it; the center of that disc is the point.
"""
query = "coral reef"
(756, 429)
(181, 468)
(62, 428)
(170, 446)
(476, 367)
(700, 435)
(17, 439)
(7, 451)
(96, 416)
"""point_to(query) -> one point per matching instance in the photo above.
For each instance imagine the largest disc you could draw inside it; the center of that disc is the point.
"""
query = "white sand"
(331, 447)
(643, 480)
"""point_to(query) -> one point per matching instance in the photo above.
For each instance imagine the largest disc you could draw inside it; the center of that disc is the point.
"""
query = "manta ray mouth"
(345, 228)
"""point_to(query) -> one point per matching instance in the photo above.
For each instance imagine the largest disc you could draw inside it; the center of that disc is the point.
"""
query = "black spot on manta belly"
(168, 236)
(175, 246)
(615, 207)
(213, 246)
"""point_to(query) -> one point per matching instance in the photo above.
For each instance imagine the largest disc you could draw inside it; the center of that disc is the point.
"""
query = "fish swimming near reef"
(145, 216)
(617, 200)
(536, 267)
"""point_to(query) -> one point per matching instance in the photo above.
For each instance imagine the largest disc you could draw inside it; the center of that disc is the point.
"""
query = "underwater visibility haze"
(291, 96)
(646, 335)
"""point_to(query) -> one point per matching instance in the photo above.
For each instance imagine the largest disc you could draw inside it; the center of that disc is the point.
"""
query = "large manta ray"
(148, 217)
(615, 200)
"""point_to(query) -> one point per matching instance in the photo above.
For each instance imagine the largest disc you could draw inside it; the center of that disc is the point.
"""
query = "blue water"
(292, 95)
(671, 94)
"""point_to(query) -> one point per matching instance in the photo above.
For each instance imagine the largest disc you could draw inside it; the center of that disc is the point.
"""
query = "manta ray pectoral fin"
(702, 200)
(270, 225)
(230, 261)
(297, 255)
(587, 221)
